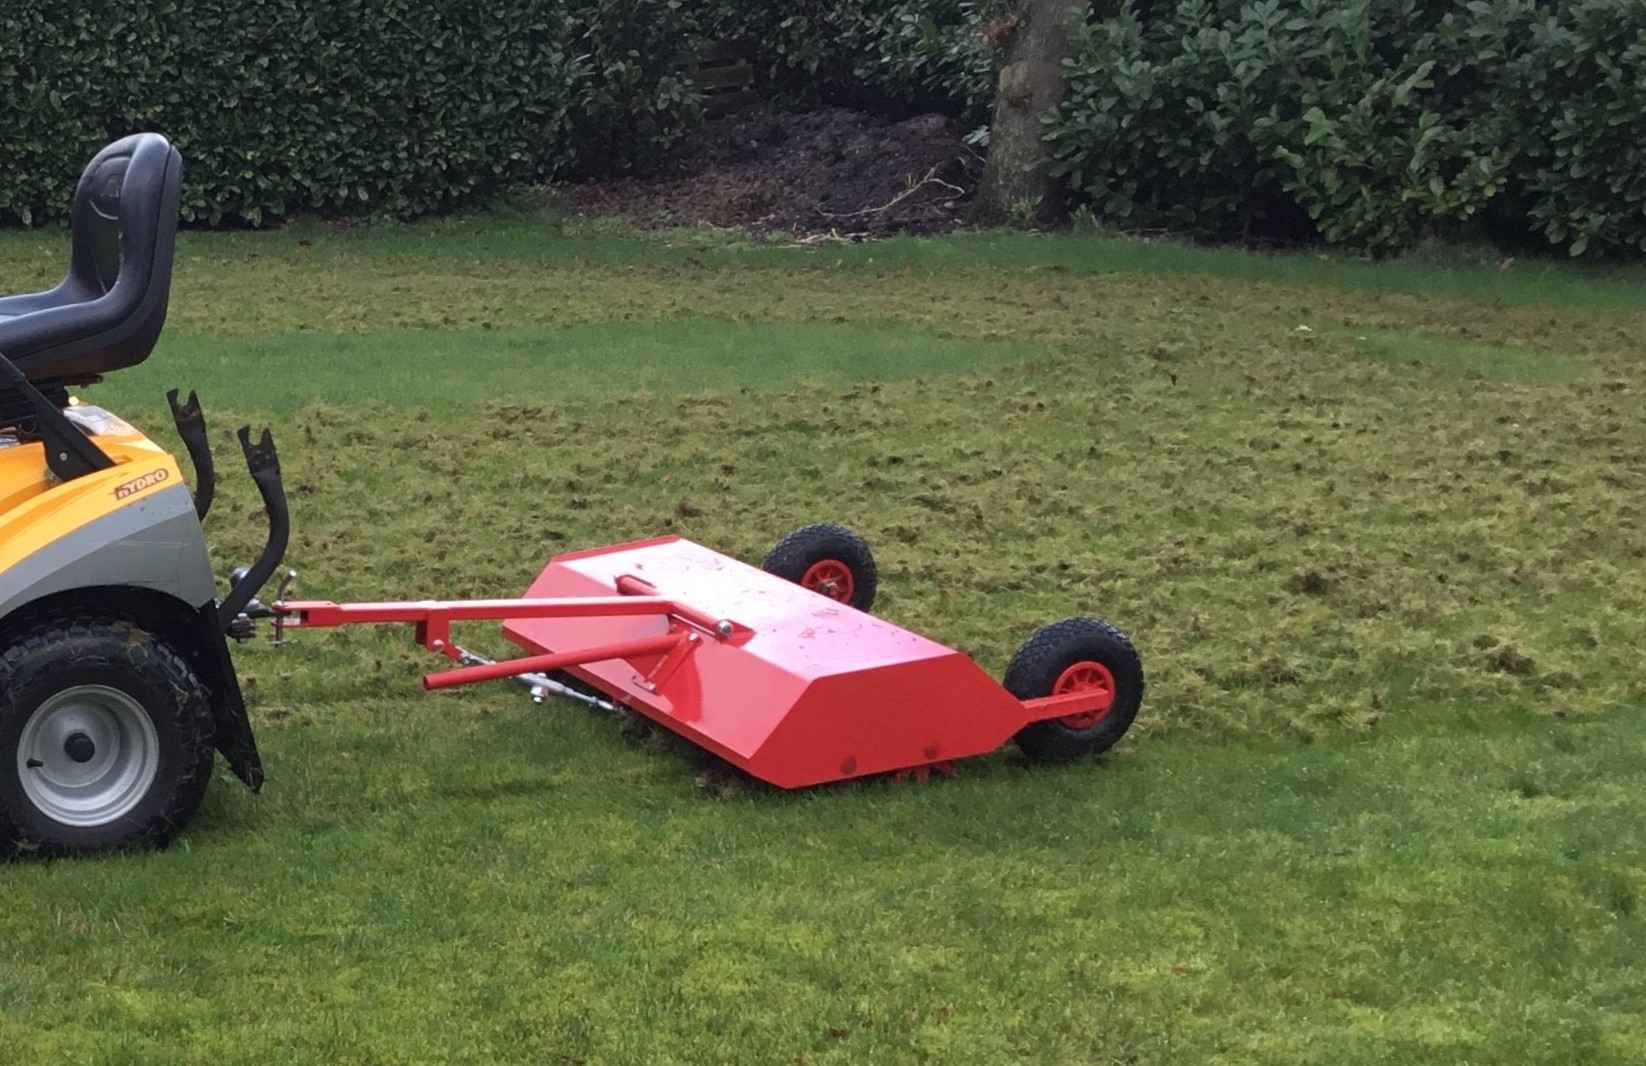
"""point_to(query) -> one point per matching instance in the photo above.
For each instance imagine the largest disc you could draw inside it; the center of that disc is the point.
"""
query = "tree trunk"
(1016, 183)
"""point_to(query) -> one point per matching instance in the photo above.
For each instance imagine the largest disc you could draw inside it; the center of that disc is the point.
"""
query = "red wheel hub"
(1086, 677)
(830, 577)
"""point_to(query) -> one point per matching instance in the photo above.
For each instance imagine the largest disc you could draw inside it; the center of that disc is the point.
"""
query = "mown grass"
(1472, 274)
(1377, 535)
(486, 883)
(460, 368)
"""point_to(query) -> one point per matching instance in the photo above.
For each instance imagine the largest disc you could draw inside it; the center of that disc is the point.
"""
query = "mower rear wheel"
(828, 559)
(105, 739)
(1076, 655)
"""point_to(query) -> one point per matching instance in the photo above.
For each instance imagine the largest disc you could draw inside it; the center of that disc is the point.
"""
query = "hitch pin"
(278, 637)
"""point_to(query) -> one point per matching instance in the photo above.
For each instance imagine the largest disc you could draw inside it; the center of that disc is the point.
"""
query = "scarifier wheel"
(828, 559)
(1075, 655)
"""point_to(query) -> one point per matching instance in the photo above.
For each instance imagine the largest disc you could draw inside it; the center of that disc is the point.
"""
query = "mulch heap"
(820, 175)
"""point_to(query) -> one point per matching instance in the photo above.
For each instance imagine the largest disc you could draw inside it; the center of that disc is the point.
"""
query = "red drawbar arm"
(322, 614)
(433, 619)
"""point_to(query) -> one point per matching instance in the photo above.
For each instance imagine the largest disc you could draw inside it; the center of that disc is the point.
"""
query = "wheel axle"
(79, 747)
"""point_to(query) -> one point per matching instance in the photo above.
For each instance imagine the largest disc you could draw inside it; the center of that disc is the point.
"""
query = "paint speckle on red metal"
(831, 578)
(1086, 677)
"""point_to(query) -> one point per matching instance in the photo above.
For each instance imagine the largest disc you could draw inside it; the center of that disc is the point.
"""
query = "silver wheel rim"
(88, 755)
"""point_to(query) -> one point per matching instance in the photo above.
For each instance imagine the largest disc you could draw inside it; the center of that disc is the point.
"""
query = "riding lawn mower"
(116, 679)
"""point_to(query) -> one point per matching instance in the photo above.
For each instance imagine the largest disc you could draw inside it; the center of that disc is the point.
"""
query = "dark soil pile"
(825, 172)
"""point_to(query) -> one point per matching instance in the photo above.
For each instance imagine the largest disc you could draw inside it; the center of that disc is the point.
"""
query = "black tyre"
(828, 559)
(1070, 656)
(105, 739)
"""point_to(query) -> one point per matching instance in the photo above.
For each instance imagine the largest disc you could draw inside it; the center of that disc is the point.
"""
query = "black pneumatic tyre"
(828, 559)
(105, 739)
(1069, 656)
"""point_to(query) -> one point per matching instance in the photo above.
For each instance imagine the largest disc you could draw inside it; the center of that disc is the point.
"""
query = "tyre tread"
(797, 552)
(1041, 659)
(106, 641)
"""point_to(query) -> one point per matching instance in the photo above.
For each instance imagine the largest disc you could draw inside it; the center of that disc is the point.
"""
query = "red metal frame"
(788, 684)
(433, 621)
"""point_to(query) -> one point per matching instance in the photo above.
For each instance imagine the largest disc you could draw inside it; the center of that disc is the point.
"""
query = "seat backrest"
(108, 311)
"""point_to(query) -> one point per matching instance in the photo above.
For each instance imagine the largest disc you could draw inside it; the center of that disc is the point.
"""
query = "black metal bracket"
(69, 452)
(264, 465)
(191, 426)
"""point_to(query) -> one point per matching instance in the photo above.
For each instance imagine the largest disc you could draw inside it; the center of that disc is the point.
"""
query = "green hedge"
(909, 55)
(1383, 120)
(1368, 122)
(397, 107)
(405, 107)
(1570, 91)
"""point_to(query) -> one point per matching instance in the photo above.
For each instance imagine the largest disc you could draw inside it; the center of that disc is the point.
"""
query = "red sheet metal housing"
(806, 690)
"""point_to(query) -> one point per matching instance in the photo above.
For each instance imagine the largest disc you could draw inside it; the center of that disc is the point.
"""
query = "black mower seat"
(106, 313)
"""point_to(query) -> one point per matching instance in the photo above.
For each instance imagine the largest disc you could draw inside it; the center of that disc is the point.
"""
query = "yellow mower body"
(37, 511)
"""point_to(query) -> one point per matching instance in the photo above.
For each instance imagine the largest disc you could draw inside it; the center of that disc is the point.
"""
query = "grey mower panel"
(154, 543)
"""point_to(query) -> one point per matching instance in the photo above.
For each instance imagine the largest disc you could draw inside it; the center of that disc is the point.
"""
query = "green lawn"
(430, 880)
(1375, 528)
(460, 368)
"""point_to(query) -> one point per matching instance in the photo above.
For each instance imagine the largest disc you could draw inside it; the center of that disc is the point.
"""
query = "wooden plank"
(723, 77)
(722, 50)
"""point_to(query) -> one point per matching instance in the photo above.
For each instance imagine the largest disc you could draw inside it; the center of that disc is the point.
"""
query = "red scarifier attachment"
(805, 689)
(785, 681)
